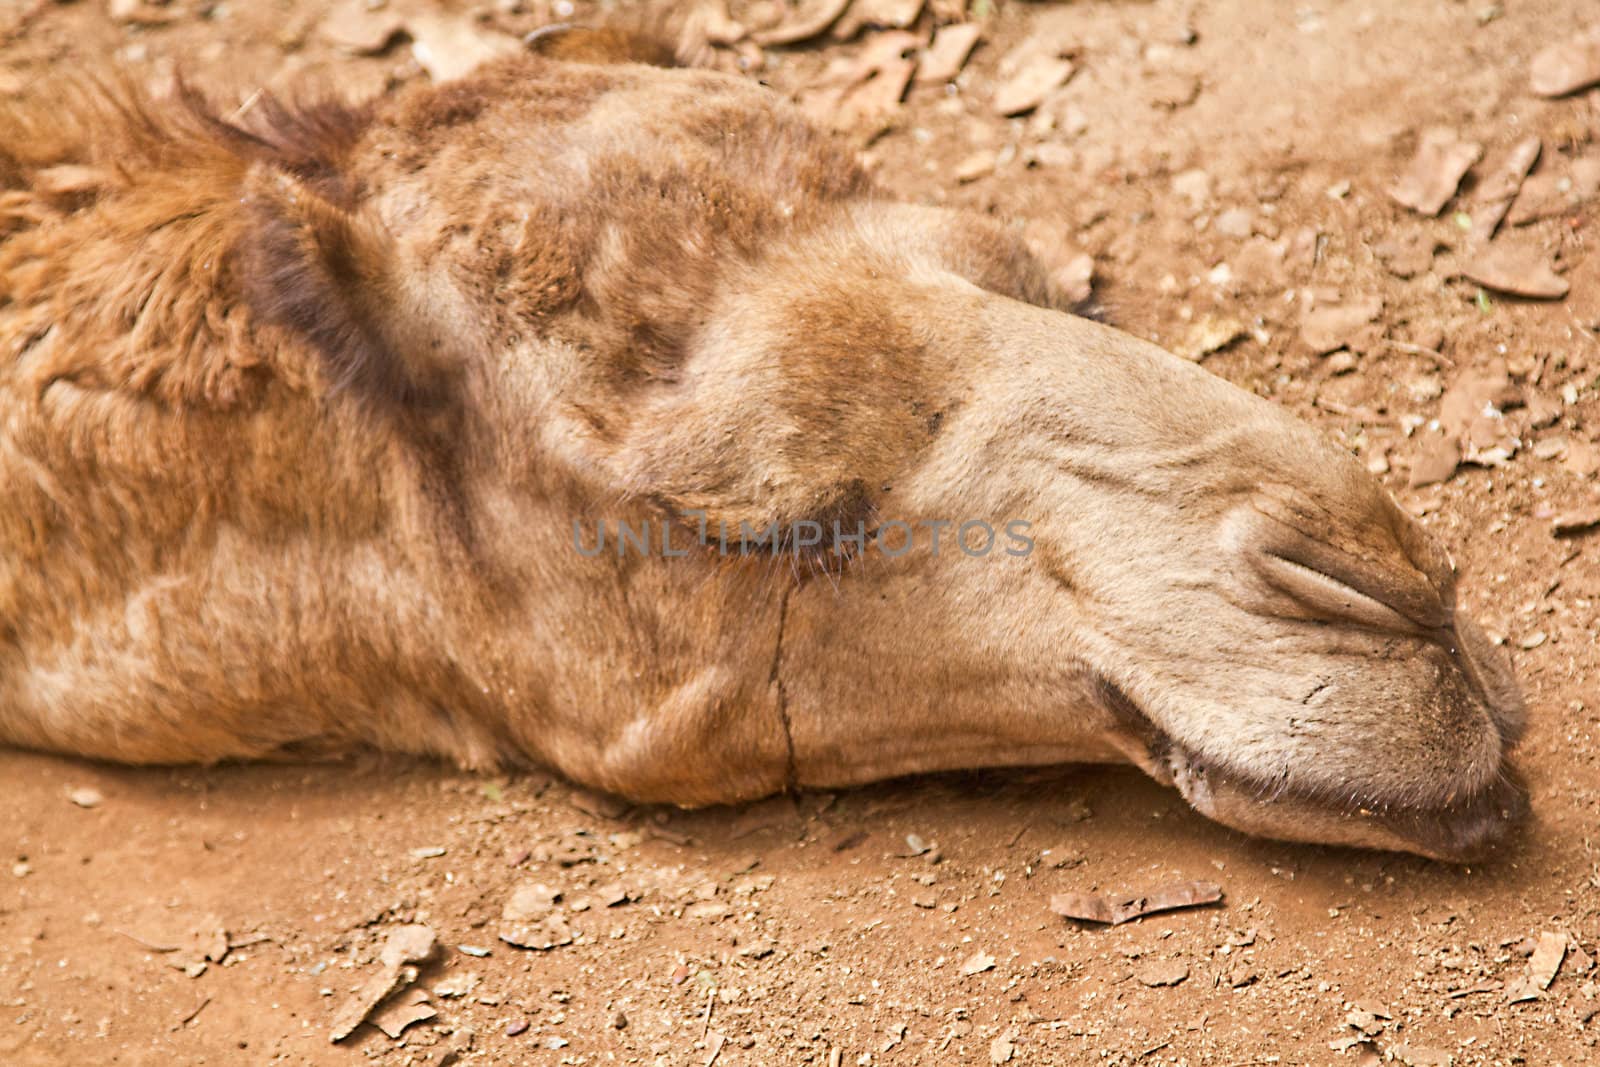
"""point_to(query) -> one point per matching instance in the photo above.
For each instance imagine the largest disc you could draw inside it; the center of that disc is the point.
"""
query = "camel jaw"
(1465, 829)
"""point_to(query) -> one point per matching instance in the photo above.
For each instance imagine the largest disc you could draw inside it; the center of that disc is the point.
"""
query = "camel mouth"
(1464, 827)
(1467, 829)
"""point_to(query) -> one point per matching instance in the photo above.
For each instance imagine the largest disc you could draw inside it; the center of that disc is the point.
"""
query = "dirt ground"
(1227, 164)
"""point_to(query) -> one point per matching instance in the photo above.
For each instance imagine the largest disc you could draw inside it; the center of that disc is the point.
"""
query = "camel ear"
(336, 278)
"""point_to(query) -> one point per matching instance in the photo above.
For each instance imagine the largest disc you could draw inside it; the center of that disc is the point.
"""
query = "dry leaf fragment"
(1546, 959)
(1035, 79)
(356, 28)
(403, 1011)
(866, 87)
(1155, 973)
(977, 963)
(1417, 1056)
(952, 45)
(808, 22)
(1496, 193)
(405, 945)
(1431, 179)
(449, 48)
(1100, 908)
(1519, 269)
(1567, 67)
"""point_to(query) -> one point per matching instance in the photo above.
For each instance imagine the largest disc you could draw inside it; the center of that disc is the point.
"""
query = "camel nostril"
(1340, 571)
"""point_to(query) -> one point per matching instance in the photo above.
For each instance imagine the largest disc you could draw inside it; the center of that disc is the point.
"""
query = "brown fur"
(297, 409)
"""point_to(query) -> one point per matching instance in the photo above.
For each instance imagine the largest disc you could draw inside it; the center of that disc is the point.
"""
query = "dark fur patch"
(314, 278)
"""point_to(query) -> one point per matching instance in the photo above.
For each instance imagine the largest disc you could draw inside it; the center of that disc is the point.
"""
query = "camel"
(604, 417)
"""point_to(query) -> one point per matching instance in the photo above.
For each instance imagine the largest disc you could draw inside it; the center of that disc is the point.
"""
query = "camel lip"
(1466, 829)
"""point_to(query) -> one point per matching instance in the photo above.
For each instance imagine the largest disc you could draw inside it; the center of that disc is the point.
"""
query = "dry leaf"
(1035, 79)
(952, 45)
(402, 1011)
(1099, 908)
(1519, 269)
(809, 21)
(1546, 959)
(356, 28)
(405, 944)
(1567, 67)
(449, 48)
(1436, 170)
(1496, 193)
(977, 963)
(1161, 972)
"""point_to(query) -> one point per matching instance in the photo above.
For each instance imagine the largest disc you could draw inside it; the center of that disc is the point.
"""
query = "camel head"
(608, 417)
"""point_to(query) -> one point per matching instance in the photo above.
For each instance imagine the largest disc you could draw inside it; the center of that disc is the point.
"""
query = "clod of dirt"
(450, 47)
(1516, 268)
(1435, 172)
(403, 1011)
(530, 902)
(1496, 193)
(811, 20)
(355, 27)
(977, 963)
(1407, 255)
(1567, 67)
(1100, 908)
(1334, 326)
(205, 941)
(405, 945)
(943, 59)
(87, 797)
(1440, 458)
(1472, 414)
(551, 932)
(1155, 973)
(1033, 75)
